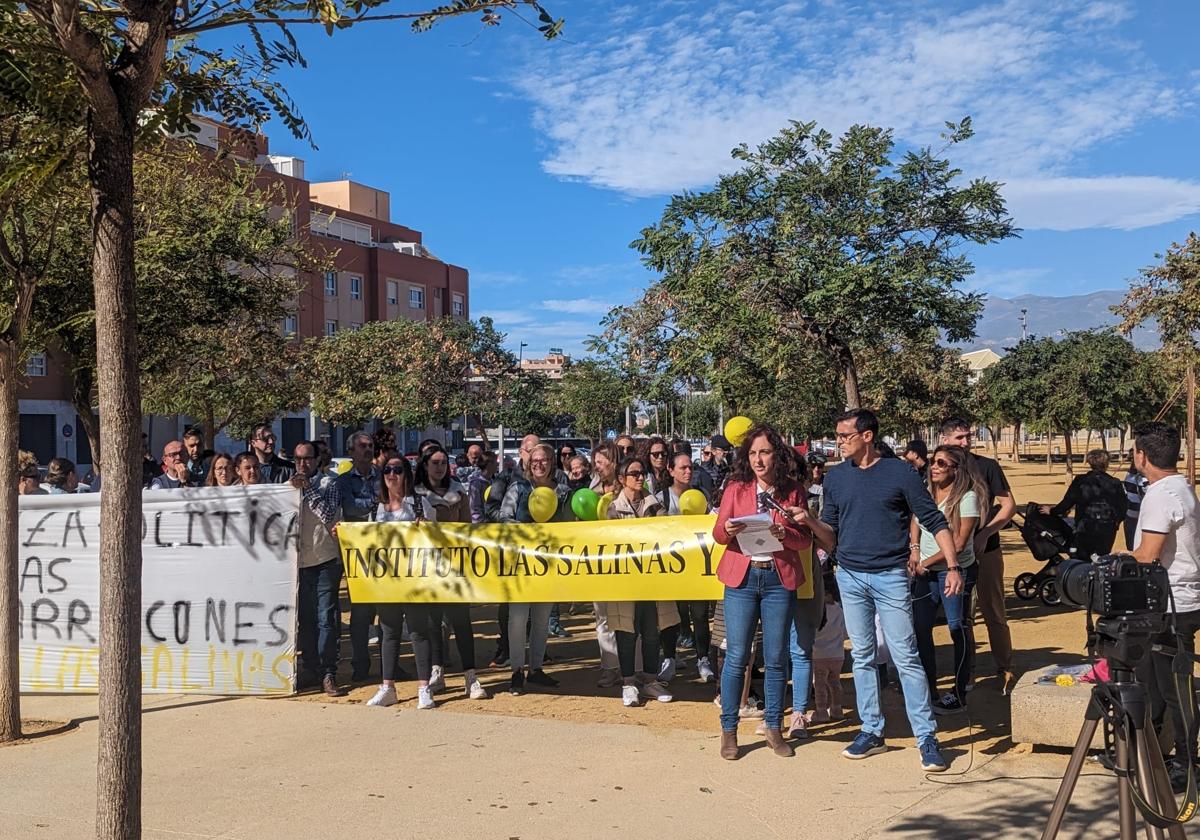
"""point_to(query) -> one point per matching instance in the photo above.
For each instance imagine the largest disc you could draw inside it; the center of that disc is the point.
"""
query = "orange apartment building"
(383, 271)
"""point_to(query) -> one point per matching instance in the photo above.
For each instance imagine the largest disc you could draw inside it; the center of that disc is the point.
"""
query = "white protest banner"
(218, 591)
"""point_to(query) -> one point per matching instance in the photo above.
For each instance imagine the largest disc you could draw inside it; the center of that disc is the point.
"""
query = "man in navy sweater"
(869, 501)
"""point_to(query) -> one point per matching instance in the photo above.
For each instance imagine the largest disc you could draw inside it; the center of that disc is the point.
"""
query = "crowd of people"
(869, 550)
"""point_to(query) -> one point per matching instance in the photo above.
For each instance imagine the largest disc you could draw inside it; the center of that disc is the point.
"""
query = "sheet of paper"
(757, 537)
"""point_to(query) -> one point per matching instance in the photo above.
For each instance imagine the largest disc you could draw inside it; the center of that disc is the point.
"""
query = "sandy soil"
(1041, 636)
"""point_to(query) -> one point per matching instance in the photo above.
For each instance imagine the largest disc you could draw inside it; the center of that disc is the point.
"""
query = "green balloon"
(584, 503)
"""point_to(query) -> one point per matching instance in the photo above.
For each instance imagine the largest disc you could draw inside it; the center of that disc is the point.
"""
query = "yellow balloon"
(543, 504)
(693, 503)
(736, 429)
(344, 467)
(602, 506)
(487, 492)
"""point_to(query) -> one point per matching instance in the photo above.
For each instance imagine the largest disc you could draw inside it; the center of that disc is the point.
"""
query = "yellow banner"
(664, 558)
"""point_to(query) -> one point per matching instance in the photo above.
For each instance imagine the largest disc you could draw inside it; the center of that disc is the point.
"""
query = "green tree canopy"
(820, 243)
(593, 392)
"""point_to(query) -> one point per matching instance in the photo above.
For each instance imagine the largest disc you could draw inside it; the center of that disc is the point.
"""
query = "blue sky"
(535, 164)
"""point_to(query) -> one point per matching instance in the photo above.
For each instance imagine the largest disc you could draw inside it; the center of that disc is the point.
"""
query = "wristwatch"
(954, 569)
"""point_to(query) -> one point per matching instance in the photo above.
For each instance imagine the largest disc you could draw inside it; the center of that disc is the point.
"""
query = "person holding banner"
(359, 488)
(398, 503)
(675, 499)
(448, 500)
(318, 623)
(516, 507)
(760, 576)
(604, 481)
(633, 619)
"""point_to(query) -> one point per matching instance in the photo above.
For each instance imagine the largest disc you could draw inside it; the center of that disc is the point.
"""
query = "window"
(459, 307)
(36, 366)
(289, 324)
(354, 325)
(355, 288)
(330, 284)
(330, 328)
(416, 297)
(393, 290)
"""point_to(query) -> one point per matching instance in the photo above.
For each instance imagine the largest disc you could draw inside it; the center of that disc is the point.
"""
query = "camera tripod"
(1137, 753)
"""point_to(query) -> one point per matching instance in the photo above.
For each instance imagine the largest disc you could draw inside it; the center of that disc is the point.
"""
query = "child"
(829, 654)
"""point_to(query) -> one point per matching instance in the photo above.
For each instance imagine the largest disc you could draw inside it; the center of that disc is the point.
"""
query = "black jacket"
(1098, 499)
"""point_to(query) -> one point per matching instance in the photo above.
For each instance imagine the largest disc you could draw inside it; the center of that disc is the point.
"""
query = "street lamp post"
(1024, 324)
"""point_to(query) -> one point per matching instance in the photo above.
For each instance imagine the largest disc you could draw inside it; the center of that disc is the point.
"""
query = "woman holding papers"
(761, 569)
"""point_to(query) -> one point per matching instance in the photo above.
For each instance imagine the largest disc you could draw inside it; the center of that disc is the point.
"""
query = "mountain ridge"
(999, 326)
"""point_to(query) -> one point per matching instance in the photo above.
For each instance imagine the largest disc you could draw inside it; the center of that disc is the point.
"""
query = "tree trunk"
(1049, 449)
(10, 674)
(119, 763)
(1017, 442)
(994, 433)
(1123, 451)
(81, 399)
(849, 377)
(1067, 449)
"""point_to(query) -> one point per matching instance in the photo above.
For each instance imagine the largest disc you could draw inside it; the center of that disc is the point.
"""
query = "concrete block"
(1049, 715)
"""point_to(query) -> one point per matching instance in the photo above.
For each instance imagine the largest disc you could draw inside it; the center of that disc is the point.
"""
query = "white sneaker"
(654, 691)
(750, 712)
(629, 696)
(437, 679)
(385, 696)
(608, 678)
(425, 698)
(707, 674)
(667, 672)
(476, 691)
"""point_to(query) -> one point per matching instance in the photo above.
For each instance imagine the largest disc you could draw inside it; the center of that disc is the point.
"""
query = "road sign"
(67, 430)
(611, 434)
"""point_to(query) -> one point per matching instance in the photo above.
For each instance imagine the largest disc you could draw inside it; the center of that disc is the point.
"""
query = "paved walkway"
(253, 769)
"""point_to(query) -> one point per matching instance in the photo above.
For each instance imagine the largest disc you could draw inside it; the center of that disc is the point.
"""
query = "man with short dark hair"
(1168, 531)
(989, 586)
(272, 468)
(197, 457)
(917, 454)
(320, 573)
(718, 465)
(359, 491)
(869, 503)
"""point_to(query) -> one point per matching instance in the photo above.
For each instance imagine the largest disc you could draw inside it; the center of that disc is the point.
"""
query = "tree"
(914, 384)
(592, 392)
(524, 403)
(1089, 383)
(40, 128)
(1015, 390)
(137, 67)
(700, 414)
(414, 373)
(1169, 294)
(826, 244)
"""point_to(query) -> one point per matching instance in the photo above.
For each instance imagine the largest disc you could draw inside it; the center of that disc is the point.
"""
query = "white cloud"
(1009, 282)
(655, 107)
(579, 306)
(1122, 202)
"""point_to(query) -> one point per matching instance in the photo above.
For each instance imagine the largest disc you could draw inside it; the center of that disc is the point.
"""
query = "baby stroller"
(1051, 539)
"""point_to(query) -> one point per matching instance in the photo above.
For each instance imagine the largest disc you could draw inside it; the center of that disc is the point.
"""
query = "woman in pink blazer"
(759, 585)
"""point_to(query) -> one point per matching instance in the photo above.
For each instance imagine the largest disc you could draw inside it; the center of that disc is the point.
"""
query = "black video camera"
(1114, 585)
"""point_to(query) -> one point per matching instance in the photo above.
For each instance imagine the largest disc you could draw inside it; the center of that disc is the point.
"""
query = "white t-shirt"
(1170, 507)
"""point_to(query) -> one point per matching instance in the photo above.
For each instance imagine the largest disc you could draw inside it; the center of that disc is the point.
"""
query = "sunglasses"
(943, 463)
(657, 453)
(393, 470)
(624, 448)
(635, 474)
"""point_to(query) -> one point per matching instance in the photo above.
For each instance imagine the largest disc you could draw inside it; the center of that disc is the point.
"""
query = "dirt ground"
(1041, 636)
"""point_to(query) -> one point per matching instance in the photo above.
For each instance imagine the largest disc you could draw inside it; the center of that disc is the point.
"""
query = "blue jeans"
(319, 622)
(761, 595)
(928, 593)
(802, 634)
(865, 594)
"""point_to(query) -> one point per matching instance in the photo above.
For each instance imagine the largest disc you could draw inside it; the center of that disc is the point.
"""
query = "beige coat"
(620, 613)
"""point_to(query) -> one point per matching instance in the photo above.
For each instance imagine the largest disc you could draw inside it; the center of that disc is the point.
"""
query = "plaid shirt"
(325, 502)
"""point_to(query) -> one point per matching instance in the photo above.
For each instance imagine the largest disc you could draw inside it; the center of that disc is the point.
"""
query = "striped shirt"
(1135, 488)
